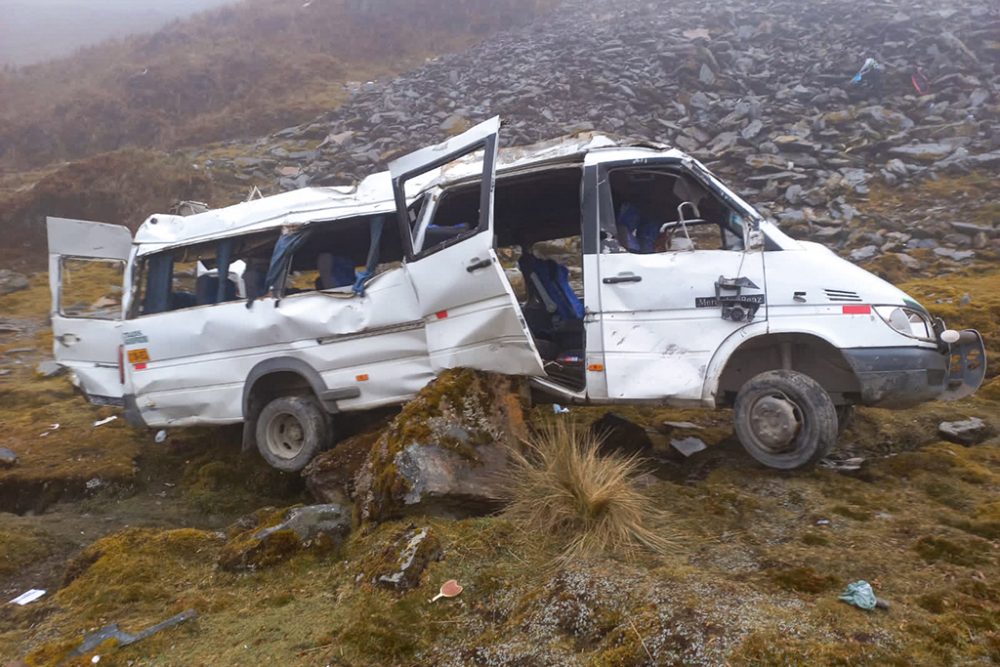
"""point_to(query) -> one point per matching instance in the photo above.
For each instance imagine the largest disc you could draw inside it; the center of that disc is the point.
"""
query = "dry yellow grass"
(564, 488)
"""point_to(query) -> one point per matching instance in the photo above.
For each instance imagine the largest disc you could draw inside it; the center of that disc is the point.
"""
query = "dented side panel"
(191, 365)
(472, 317)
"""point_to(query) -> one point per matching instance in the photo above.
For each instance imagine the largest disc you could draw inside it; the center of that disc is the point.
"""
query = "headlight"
(907, 321)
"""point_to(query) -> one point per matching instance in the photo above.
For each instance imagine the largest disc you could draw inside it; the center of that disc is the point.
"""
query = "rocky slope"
(760, 91)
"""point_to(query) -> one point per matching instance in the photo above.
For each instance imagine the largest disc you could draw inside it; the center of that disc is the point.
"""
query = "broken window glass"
(339, 256)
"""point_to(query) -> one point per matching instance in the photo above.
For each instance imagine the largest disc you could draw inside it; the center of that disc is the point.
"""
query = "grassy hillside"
(241, 70)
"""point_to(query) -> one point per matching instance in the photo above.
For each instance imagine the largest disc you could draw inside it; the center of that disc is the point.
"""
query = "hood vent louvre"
(842, 295)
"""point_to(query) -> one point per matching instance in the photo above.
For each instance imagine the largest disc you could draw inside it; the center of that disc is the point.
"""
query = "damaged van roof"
(373, 195)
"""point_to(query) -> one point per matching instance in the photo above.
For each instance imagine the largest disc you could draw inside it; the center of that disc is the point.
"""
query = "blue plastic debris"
(558, 409)
(869, 75)
(860, 594)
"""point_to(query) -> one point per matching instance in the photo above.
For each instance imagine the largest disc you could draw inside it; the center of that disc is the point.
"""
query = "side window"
(341, 255)
(658, 210)
(203, 274)
(448, 217)
(91, 288)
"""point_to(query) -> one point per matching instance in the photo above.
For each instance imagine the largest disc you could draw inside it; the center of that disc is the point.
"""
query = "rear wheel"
(785, 419)
(291, 430)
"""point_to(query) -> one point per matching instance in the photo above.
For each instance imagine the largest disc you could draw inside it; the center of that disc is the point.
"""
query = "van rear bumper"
(132, 414)
(898, 377)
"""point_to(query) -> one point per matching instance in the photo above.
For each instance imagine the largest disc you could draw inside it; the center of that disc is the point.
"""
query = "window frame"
(673, 166)
(62, 283)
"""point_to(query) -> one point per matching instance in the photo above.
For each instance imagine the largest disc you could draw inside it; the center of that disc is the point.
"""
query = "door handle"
(614, 280)
(481, 264)
(68, 339)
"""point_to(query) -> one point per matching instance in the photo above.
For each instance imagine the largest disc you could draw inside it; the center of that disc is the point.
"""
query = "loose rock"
(967, 432)
(8, 458)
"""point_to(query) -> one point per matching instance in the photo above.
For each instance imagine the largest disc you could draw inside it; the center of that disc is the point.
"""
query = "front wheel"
(291, 430)
(785, 419)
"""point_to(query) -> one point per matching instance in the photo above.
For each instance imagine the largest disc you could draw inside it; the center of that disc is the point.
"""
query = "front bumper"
(901, 377)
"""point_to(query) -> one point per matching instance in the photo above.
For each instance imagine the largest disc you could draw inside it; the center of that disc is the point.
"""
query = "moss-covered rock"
(402, 562)
(445, 452)
(275, 535)
(330, 476)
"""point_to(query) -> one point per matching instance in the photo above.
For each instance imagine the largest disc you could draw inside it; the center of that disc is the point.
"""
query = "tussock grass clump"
(561, 488)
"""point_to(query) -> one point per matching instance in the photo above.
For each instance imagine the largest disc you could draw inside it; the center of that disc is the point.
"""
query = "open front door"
(471, 314)
(86, 269)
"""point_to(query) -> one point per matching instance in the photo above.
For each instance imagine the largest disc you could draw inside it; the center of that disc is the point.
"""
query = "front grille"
(842, 295)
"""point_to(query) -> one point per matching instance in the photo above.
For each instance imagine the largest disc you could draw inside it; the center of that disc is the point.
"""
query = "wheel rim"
(285, 436)
(776, 421)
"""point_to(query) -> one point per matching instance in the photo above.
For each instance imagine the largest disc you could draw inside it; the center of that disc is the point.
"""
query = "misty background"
(36, 30)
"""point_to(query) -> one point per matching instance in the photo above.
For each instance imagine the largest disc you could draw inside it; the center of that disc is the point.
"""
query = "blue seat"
(207, 290)
(549, 282)
(334, 271)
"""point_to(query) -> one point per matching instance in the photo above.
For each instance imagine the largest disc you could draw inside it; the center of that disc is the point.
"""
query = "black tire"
(291, 430)
(785, 419)
(845, 417)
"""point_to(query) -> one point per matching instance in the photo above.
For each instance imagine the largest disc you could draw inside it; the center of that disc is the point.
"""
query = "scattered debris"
(106, 420)
(449, 589)
(843, 465)
(690, 426)
(688, 447)
(28, 597)
(8, 458)
(51, 428)
(860, 594)
(971, 431)
(869, 75)
(160, 437)
(95, 639)
(558, 409)
(94, 483)
(50, 368)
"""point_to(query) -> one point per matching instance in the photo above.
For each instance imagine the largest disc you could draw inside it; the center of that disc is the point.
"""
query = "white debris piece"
(28, 597)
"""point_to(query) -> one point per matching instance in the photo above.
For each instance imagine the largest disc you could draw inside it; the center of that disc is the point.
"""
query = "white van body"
(674, 322)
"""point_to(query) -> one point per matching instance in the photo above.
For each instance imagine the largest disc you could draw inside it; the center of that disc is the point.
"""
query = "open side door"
(471, 314)
(86, 276)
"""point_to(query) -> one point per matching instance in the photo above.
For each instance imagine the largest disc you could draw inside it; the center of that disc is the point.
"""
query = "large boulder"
(270, 536)
(445, 453)
(330, 476)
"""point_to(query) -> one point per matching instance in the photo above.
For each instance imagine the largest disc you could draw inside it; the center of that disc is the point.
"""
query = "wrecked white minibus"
(606, 272)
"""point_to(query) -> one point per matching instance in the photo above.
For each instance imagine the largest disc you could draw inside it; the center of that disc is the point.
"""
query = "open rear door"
(471, 314)
(86, 269)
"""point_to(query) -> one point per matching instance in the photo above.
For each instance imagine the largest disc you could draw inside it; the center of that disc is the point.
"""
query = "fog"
(35, 30)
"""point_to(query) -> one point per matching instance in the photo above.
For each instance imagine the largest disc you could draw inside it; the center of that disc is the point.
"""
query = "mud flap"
(966, 366)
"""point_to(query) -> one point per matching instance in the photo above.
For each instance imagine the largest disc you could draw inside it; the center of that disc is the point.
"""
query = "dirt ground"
(120, 529)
